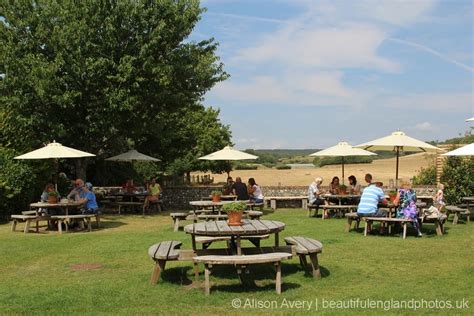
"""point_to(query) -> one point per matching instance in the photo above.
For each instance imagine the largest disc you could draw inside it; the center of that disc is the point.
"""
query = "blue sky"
(308, 74)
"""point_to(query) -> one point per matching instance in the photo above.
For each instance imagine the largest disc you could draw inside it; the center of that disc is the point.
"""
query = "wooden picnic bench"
(273, 200)
(177, 217)
(458, 211)
(28, 219)
(437, 221)
(352, 217)
(340, 209)
(211, 260)
(206, 241)
(385, 221)
(307, 247)
(166, 251)
(67, 218)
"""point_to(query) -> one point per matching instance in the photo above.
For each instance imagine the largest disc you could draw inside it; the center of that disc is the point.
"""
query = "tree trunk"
(81, 168)
(188, 177)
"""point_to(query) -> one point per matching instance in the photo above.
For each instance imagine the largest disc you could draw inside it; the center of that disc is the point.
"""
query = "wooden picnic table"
(273, 200)
(341, 197)
(229, 197)
(63, 205)
(222, 229)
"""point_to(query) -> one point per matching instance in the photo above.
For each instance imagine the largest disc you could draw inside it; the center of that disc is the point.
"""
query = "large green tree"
(96, 75)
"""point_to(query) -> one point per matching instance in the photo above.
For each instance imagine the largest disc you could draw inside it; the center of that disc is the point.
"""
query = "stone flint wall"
(178, 198)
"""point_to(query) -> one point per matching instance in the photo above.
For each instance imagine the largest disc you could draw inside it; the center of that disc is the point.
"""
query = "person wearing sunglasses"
(77, 192)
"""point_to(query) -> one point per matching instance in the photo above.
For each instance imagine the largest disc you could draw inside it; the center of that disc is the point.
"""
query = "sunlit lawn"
(38, 272)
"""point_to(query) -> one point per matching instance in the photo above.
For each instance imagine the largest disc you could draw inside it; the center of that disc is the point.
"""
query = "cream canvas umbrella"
(467, 150)
(470, 120)
(132, 155)
(398, 141)
(342, 149)
(54, 150)
(229, 153)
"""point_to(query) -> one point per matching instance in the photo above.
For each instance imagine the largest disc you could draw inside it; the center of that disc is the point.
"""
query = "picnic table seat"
(307, 247)
(312, 207)
(352, 217)
(177, 217)
(256, 206)
(206, 241)
(28, 219)
(386, 221)
(244, 260)
(67, 219)
(124, 204)
(340, 209)
(170, 251)
(458, 211)
(438, 221)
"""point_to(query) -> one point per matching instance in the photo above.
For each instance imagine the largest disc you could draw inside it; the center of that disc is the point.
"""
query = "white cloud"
(350, 46)
(437, 102)
(424, 127)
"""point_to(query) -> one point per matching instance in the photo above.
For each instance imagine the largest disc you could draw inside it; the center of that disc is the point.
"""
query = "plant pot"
(52, 199)
(235, 218)
(392, 198)
(216, 198)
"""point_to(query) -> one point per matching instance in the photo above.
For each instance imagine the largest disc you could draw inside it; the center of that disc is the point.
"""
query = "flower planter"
(216, 198)
(235, 218)
(52, 199)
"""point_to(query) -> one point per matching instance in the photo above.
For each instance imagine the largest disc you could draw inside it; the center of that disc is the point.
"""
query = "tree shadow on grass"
(256, 271)
(107, 223)
(250, 286)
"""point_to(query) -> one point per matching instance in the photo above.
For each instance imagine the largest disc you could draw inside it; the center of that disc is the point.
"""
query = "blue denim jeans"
(379, 213)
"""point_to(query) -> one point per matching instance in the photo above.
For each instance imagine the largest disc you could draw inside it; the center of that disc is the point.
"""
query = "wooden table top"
(210, 203)
(221, 228)
(341, 196)
(54, 205)
(468, 199)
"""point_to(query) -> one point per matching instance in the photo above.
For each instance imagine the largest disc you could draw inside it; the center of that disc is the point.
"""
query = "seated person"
(48, 192)
(154, 191)
(354, 187)
(227, 189)
(77, 192)
(88, 199)
(255, 192)
(370, 199)
(406, 202)
(334, 186)
(129, 189)
(240, 190)
(314, 193)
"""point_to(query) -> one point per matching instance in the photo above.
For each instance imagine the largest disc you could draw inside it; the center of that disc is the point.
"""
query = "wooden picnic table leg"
(193, 241)
(176, 224)
(456, 217)
(159, 267)
(315, 266)
(404, 230)
(439, 231)
(14, 222)
(278, 278)
(60, 226)
(239, 249)
(277, 239)
(27, 226)
(207, 288)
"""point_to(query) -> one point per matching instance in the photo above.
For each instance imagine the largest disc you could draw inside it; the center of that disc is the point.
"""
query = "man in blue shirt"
(88, 199)
(370, 199)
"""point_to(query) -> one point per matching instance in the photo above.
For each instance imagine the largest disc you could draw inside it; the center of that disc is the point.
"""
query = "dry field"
(383, 169)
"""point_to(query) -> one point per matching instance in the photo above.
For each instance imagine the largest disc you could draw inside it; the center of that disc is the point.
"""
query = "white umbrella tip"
(398, 133)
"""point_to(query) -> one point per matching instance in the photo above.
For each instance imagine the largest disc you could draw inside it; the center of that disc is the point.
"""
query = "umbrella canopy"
(342, 149)
(467, 150)
(398, 141)
(228, 153)
(470, 120)
(132, 155)
(54, 150)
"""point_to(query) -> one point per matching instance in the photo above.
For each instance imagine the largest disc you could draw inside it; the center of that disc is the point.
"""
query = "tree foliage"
(457, 177)
(103, 75)
(426, 176)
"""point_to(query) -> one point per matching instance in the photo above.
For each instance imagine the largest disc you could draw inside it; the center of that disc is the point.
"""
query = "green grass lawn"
(38, 272)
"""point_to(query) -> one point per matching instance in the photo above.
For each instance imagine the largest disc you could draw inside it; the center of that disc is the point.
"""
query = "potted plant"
(52, 197)
(234, 211)
(342, 189)
(392, 195)
(216, 196)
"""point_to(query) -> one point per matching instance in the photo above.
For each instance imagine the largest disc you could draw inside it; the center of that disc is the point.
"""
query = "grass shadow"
(249, 286)
(258, 271)
(177, 275)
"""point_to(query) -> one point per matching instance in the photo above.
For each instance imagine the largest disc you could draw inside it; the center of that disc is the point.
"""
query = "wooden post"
(315, 265)
(207, 288)
(278, 278)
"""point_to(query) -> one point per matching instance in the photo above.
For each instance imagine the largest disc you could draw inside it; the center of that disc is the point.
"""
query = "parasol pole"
(342, 169)
(396, 172)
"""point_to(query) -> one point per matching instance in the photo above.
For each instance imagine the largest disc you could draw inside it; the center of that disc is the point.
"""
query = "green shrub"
(457, 177)
(269, 165)
(245, 167)
(234, 206)
(280, 167)
(18, 184)
(426, 176)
